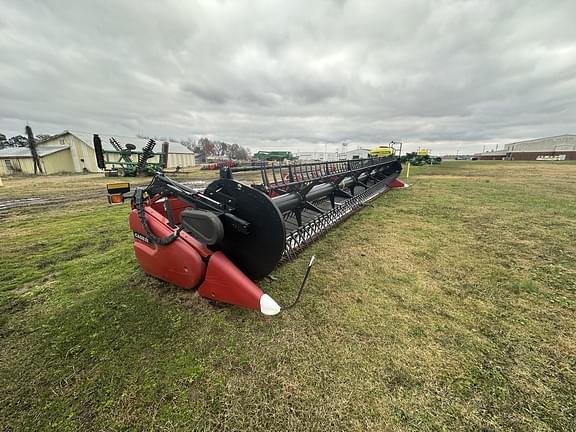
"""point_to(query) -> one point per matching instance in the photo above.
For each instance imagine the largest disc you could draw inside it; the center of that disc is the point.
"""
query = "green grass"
(448, 305)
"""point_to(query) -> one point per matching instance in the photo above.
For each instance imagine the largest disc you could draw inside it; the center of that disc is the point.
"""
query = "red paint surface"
(179, 263)
(226, 283)
(176, 205)
(183, 263)
(396, 183)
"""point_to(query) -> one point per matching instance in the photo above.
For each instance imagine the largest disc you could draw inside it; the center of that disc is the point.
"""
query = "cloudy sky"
(448, 75)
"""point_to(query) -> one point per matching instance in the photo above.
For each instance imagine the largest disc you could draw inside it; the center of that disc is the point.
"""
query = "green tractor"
(421, 157)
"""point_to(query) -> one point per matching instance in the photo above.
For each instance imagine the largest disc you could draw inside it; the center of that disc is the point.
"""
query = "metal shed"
(19, 160)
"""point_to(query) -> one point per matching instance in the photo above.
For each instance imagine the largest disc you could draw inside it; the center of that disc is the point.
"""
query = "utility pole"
(344, 149)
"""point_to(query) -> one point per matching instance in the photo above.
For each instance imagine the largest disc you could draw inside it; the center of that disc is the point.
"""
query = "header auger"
(221, 240)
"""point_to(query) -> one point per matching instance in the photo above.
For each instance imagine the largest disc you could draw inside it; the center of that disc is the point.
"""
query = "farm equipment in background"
(391, 150)
(421, 157)
(125, 166)
(382, 151)
(274, 156)
(212, 166)
(221, 240)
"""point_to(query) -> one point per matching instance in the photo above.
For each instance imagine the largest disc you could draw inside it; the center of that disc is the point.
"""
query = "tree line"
(19, 140)
(206, 148)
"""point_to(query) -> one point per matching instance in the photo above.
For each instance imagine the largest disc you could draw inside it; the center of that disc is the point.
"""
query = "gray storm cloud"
(273, 74)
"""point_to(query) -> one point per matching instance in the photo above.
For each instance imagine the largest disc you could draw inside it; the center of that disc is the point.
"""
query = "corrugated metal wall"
(83, 156)
(183, 160)
(570, 155)
(57, 162)
(51, 164)
(560, 143)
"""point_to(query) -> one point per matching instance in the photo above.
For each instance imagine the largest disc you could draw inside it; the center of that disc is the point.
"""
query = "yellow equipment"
(422, 152)
(381, 151)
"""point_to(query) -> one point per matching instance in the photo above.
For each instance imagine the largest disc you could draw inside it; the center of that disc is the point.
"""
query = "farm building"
(19, 160)
(356, 154)
(78, 151)
(561, 147)
(315, 156)
(491, 155)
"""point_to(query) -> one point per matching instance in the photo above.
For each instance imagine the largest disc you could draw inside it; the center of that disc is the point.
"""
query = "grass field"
(450, 305)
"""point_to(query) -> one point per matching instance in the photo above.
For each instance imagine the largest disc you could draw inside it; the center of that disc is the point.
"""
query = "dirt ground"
(34, 193)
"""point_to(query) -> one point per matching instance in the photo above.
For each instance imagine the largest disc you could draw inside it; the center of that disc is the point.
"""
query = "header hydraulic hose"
(139, 205)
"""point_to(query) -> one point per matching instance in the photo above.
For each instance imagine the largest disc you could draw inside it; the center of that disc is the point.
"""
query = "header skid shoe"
(219, 241)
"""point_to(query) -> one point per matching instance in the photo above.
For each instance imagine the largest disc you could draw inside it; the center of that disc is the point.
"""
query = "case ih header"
(221, 240)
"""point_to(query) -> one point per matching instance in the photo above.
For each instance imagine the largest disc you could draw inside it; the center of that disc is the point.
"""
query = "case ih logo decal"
(140, 237)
